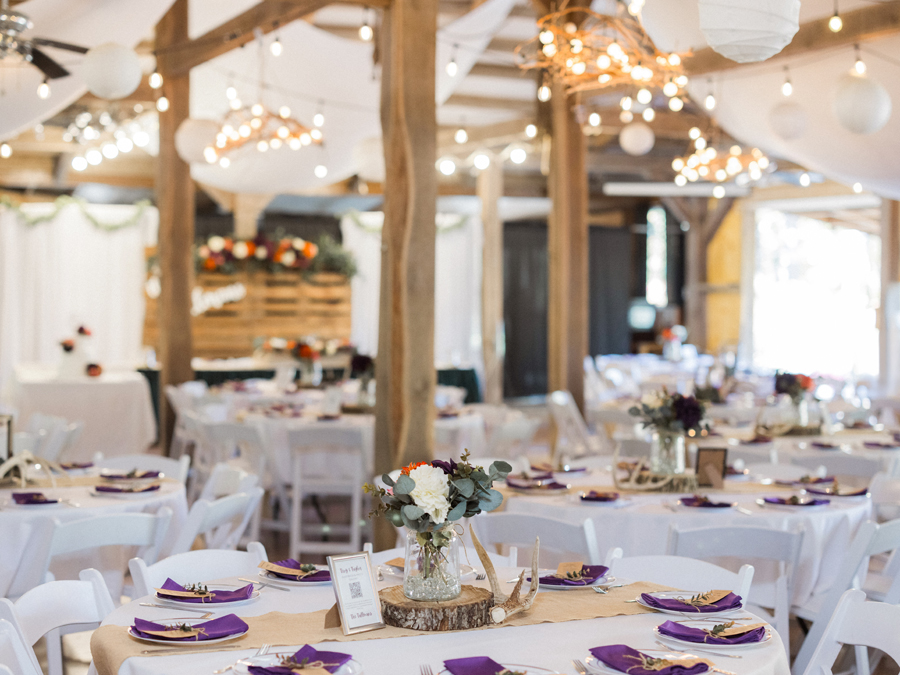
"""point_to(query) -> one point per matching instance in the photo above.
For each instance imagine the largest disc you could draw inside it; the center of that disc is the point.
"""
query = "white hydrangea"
(432, 492)
(652, 399)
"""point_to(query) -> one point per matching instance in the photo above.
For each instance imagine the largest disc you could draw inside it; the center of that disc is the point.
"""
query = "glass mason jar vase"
(431, 570)
(667, 454)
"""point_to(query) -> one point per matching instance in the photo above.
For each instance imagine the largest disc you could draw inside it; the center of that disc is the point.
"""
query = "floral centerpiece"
(794, 385)
(227, 255)
(427, 498)
(671, 416)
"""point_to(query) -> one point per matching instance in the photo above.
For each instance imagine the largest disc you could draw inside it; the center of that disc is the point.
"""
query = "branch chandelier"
(704, 161)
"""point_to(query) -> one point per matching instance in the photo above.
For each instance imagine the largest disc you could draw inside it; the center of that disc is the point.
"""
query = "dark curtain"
(610, 264)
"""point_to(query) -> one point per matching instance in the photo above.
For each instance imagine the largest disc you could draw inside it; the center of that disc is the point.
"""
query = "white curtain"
(457, 296)
(59, 274)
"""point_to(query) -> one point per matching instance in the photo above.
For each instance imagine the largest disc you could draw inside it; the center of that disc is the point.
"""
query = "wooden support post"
(175, 199)
(567, 241)
(405, 374)
(247, 210)
(889, 369)
(493, 342)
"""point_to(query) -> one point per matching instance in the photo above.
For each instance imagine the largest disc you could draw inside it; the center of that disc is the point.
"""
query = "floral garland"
(442, 227)
(63, 201)
(226, 254)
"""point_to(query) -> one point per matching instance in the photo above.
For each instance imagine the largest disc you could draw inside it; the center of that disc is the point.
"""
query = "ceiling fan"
(12, 23)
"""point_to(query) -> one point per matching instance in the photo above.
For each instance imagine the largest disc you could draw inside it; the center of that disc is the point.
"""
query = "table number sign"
(712, 464)
(358, 603)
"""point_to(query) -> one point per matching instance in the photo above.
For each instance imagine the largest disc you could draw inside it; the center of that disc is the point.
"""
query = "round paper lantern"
(637, 139)
(788, 120)
(193, 137)
(861, 104)
(747, 31)
(111, 70)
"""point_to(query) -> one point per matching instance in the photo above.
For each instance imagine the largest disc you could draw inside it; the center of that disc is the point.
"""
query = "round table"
(549, 645)
(17, 524)
(639, 523)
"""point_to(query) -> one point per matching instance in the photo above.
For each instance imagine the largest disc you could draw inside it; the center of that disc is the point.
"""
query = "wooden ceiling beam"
(467, 101)
(860, 25)
(510, 72)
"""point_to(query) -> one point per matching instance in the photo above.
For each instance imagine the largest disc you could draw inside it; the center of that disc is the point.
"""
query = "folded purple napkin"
(332, 661)
(703, 503)
(757, 440)
(543, 475)
(321, 575)
(627, 660)
(594, 496)
(219, 627)
(529, 484)
(861, 492)
(877, 445)
(243, 593)
(730, 601)
(591, 574)
(138, 475)
(76, 465)
(825, 446)
(682, 632)
(547, 469)
(32, 498)
(473, 665)
(806, 481)
(113, 488)
(787, 502)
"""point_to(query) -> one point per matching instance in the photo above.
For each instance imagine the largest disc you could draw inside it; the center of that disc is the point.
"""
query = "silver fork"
(425, 669)
(205, 614)
(480, 576)
(701, 651)
(604, 591)
(261, 652)
(580, 667)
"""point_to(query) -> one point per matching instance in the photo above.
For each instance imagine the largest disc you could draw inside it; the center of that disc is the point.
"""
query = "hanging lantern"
(788, 120)
(193, 137)
(747, 31)
(637, 139)
(111, 70)
(861, 104)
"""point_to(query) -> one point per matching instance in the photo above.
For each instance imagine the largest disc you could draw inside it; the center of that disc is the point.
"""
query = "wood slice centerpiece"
(472, 609)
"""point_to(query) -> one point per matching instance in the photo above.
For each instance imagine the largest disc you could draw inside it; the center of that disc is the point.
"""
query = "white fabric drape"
(59, 274)
(457, 293)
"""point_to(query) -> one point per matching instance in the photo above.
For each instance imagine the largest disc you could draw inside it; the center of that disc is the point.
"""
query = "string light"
(162, 104)
(447, 167)
(93, 157)
(452, 68)
(719, 192)
(321, 171)
(694, 133)
(860, 65)
(43, 90)
(835, 23)
(125, 144)
(787, 88)
(518, 155)
(481, 161)
(79, 163)
(857, 187)
(594, 119)
(670, 89)
(231, 93)
(649, 114)
(676, 104)
(5, 150)
(644, 96)
(109, 150)
(626, 117)
(805, 180)
(531, 131)
(156, 80)
(460, 136)
(276, 47)
(319, 118)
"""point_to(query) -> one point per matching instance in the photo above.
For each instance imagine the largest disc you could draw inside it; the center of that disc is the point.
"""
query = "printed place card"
(358, 603)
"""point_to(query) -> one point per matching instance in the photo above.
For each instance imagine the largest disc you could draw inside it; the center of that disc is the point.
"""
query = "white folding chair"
(512, 436)
(465, 554)
(748, 543)
(858, 623)
(172, 468)
(572, 436)
(73, 433)
(16, 657)
(233, 443)
(558, 536)
(24, 441)
(221, 522)
(871, 539)
(327, 461)
(884, 491)
(195, 566)
(687, 574)
(75, 605)
(841, 465)
(225, 480)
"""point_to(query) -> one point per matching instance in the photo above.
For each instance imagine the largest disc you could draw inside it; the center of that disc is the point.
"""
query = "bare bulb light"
(857, 187)
(531, 131)
(719, 192)
(231, 93)
(670, 89)
(860, 66)
(319, 120)
(460, 136)
(93, 157)
(709, 102)
(544, 93)
(162, 104)
(481, 162)
(787, 88)
(447, 167)
(805, 180)
(594, 119)
(518, 155)
(79, 163)
(649, 114)
(835, 23)
(675, 104)
(43, 90)
(276, 47)
(366, 33)
(452, 68)
(644, 96)
(156, 80)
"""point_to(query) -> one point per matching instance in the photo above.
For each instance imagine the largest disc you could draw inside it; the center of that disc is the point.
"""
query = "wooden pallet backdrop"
(277, 305)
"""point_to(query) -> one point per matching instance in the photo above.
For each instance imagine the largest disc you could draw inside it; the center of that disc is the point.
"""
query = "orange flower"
(805, 382)
(209, 264)
(291, 344)
(415, 465)
(277, 256)
(251, 248)
(229, 243)
(310, 249)
(284, 244)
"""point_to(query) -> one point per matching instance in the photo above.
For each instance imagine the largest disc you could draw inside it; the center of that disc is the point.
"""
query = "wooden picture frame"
(358, 602)
(712, 464)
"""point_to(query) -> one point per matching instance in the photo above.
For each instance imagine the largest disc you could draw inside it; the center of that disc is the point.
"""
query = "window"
(657, 280)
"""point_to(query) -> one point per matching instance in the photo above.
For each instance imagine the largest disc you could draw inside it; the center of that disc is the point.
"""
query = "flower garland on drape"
(63, 201)
(376, 229)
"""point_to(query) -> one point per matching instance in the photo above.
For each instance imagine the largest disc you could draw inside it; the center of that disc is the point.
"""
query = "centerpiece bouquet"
(794, 385)
(671, 416)
(426, 499)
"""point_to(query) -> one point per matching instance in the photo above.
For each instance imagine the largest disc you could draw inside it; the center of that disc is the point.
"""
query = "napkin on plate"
(878, 445)
(729, 601)
(691, 634)
(135, 475)
(528, 484)
(821, 445)
(220, 627)
(590, 574)
(703, 502)
(546, 467)
(321, 575)
(32, 498)
(331, 661)
(70, 466)
(243, 593)
(627, 660)
(861, 492)
(757, 440)
(473, 665)
(806, 480)
(594, 496)
(788, 502)
(115, 488)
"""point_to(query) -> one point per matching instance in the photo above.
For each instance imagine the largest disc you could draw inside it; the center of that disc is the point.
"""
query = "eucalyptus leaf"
(466, 486)
(458, 511)
(413, 512)
(387, 480)
(490, 501)
(501, 467)
(404, 485)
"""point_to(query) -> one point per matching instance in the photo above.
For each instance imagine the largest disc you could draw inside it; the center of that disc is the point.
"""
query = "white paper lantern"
(747, 31)
(637, 139)
(193, 137)
(111, 70)
(861, 104)
(788, 120)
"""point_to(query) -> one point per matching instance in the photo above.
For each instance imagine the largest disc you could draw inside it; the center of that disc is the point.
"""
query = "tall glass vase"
(667, 454)
(431, 570)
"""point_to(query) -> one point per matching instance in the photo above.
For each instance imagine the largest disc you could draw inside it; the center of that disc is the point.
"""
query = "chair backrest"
(172, 468)
(16, 657)
(59, 603)
(24, 441)
(841, 465)
(221, 522)
(39, 422)
(195, 566)
(572, 433)
(52, 441)
(315, 441)
(687, 574)
(885, 493)
(73, 434)
(512, 436)
(227, 480)
(520, 530)
(242, 444)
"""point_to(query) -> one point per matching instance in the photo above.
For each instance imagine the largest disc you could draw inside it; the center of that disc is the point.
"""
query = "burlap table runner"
(111, 645)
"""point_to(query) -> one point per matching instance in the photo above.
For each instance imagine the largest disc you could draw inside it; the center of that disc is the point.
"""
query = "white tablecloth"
(16, 523)
(116, 410)
(551, 645)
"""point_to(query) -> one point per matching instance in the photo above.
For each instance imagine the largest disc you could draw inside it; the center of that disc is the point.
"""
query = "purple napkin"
(757, 440)
(808, 481)
(877, 445)
(545, 469)
(534, 485)
(321, 575)
(627, 660)
(703, 503)
(542, 475)
(594, 496)
(730, 601)
(69, 466)
(474, 665)
(32, 498)
(852, 493)
(787, 502)
(682, 632)
(312, 655)
(139, 475)
(825, 446)
(218, 596)
(219, 627)
(113, 488)
(591, 574)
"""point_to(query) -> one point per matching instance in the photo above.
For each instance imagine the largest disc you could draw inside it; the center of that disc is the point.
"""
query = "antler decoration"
(21, 461)
(506, 606)
(641, 479)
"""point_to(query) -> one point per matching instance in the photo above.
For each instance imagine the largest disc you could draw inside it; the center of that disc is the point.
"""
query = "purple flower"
(448, 467)
(688, 411)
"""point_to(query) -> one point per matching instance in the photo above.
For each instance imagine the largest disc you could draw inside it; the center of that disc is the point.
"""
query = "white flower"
(216, 244)
(432, 492)
(652, 400)
(288, 258)
(240, 250)
(298, 243)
